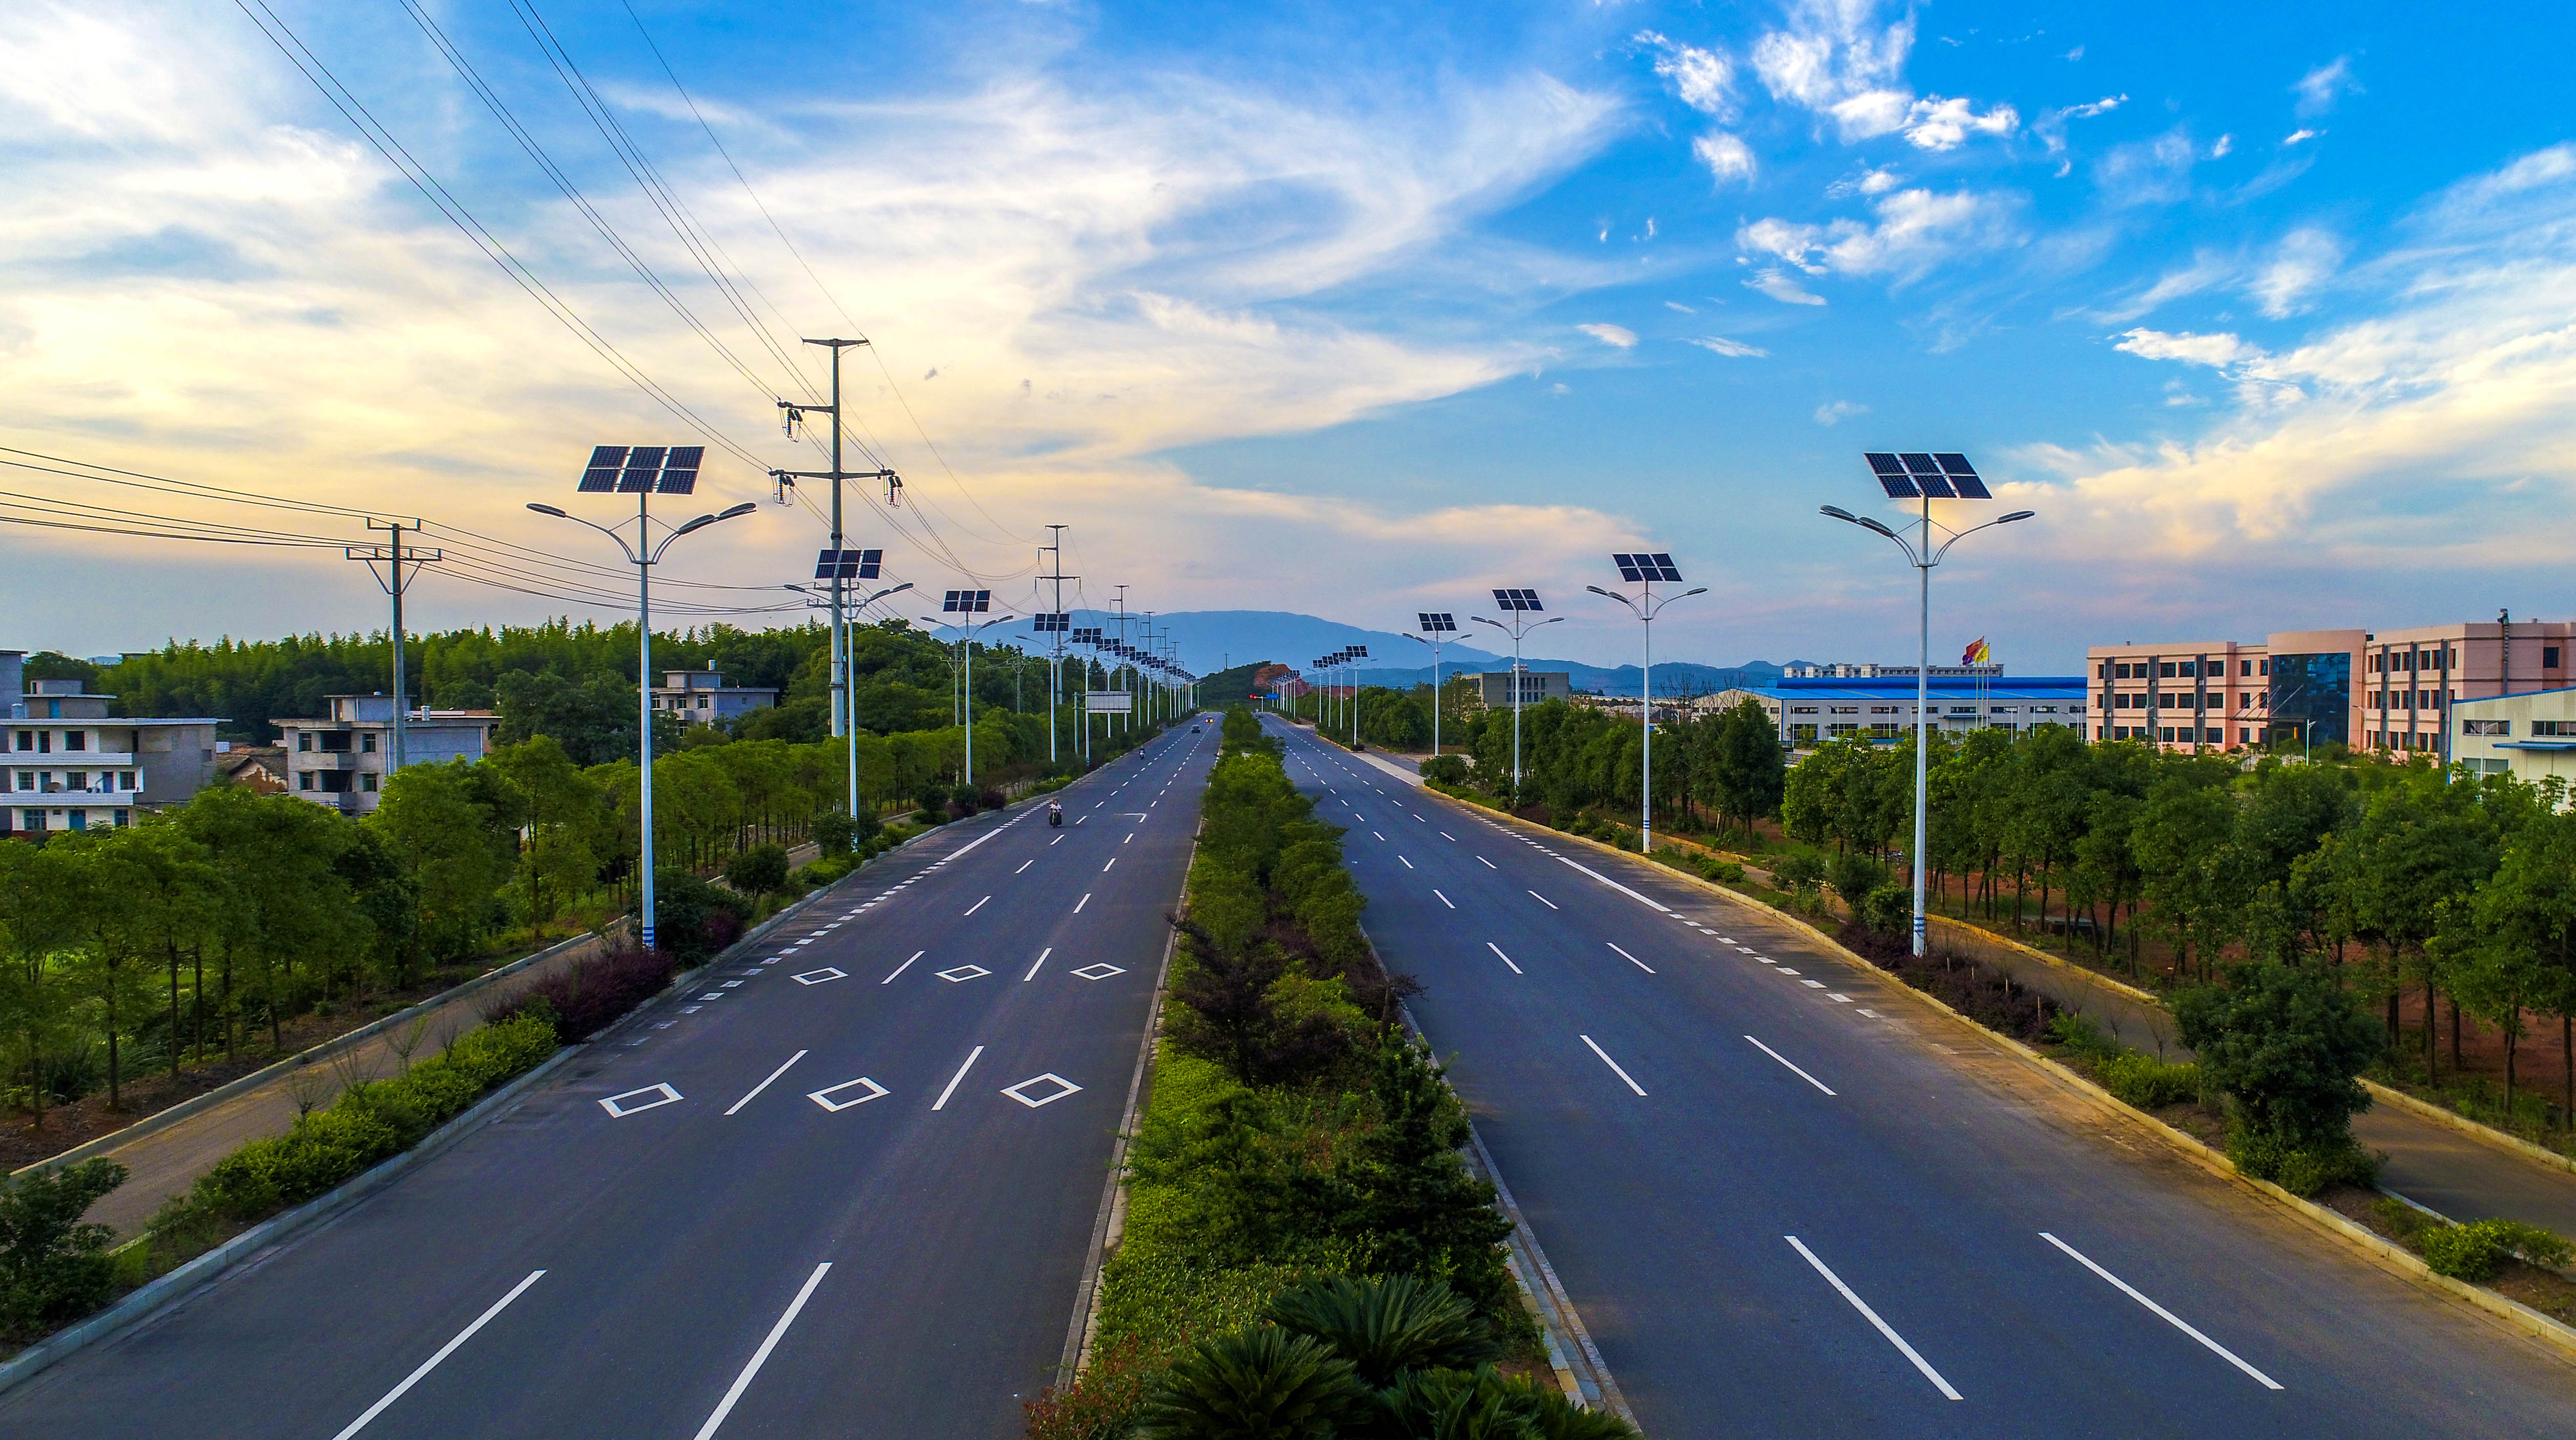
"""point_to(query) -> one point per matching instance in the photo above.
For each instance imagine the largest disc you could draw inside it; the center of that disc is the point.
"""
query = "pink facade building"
(2386, 690)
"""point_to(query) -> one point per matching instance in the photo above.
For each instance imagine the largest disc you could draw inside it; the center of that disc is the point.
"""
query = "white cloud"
(2205, 271)
(2075, 54)
(2148, 172)
(1737, 349)
(1871, 113)
(2319, 89)
(1915, 230)
(2305, 259)
(1867, 182)
(1617, 335)
(1726, 156)
(1838, 411)
(1831, 51)
(2456, 388)
(2299, 135)
(1702, 79)
(1677, 305)
(2051, 125)
(2218, 351)
(1777, 284)
(1939, 124)
(2219, 151)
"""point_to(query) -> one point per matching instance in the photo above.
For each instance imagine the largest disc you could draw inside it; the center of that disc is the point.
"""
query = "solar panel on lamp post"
(643, 471)
(1517, 603)
(1925, 476)
(1645, 571)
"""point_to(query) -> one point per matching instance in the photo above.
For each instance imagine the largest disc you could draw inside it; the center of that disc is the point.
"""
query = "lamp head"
(1838, 513)
(700, 523)
(1685, 595)
(1869, 523)
(744, 508)
(548, 510)
(1597, 590)
(2016, 515)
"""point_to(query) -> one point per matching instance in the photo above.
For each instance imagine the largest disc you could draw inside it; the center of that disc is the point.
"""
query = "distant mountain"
(1218, 639)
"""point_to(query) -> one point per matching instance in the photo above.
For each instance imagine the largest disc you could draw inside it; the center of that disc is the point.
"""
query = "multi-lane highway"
(1787, 1201)
(845, 1187)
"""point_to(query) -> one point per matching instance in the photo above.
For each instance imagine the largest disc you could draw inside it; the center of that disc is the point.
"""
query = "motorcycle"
(1055, 816)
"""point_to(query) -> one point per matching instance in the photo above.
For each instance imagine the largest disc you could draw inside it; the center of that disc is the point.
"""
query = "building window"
(26, 779)
(1882, 709)
(2548, 657)
(367, 743)
(75, 739)
(335, 742)
(367, 782)
(2244, 667)
(1846, 709)
(1839, 730)
(1802, 709)
(304, 780)
(2553, 727)
(2244, 735)
(2164, 733)
(304, 741)
(124, 779)
(124, 818)
(31, 819)
(2486, 727)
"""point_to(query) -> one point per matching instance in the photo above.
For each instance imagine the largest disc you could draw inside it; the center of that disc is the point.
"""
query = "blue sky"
(2267, 313)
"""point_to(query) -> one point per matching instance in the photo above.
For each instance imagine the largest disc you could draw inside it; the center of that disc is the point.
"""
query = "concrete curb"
(2386, 1253)
(160, 1120)
(160, 1294)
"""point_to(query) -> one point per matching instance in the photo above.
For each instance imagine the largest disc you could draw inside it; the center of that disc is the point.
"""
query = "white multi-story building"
(342, 760)
(70, 765)
(701, 697)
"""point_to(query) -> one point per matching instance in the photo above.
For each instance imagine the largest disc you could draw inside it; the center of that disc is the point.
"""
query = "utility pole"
(394, 582)
(842, 725)
(1122, 641)
(1055, 667)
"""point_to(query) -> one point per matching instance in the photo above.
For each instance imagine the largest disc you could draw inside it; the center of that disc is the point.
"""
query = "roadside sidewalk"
(167, 1161)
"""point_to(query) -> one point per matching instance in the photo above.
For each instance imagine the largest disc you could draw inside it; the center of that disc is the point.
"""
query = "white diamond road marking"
(824, 976)
(1100, 971)
(823, 1097)
(1067, 1087)
(962, 972)
(615, 1104)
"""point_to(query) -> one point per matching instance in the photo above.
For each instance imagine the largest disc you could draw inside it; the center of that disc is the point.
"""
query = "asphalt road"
(1729, 1143)
(849, 1194)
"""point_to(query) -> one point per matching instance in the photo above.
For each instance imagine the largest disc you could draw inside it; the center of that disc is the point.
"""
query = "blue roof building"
(1815, 703)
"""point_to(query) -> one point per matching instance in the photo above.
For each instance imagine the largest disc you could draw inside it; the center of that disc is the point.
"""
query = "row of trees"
(2412, 881)
(1723, 768)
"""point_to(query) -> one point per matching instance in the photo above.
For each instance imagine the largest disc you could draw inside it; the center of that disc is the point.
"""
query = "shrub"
(835, 833)
(2478, 1250)
(693, 919)
(760, 870)
(991, 800)
(2149, 1083)
(1255, 1383)
(1889, 910)
(2284, 1044)
(1387, 1326)
(1854, 875)
(368, 1123)
(53, 1268)
(2302, 1170)
(1800, 873)
(1445, 769)
(587, 996)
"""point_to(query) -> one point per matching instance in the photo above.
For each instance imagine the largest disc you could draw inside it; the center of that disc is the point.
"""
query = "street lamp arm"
(1613, 595)
(620, 540)
(1973, 529)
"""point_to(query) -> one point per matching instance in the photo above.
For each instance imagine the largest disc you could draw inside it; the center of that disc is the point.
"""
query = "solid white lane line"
(1407, 863)
(1085, 900)
(978, 905)
(960, 1075)
(444, 1351)
(1112, 861)
(1488, 864)
(1130, 840)
(760, 1356)
(1445, 835)
(1033, 965)
(2170, 1318)
(1024, 865)
(1605, 1056)
(1872, 1316)
(1633, 960)
(763, 1085)
(1543, 900)
(899, 969)
(1794, 1070)
(1506, 959)
(1381, 837)
(1060, 839)
(1615, 885)
(1445, 900)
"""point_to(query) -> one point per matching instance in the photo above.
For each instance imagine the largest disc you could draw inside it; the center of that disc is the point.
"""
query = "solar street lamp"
(969, 604)
(1519, 604)
(1435, 623)
(1646, 571)
(644, 471)
(1923, 476)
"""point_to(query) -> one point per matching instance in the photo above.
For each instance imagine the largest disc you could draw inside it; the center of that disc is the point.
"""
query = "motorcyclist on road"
(1055, 812)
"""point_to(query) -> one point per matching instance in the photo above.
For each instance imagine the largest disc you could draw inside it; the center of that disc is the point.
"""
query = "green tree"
(2512, 947)
(40, 919)
(553, 804)
(2284, 1044)
(444, 838)
(1745, 773)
